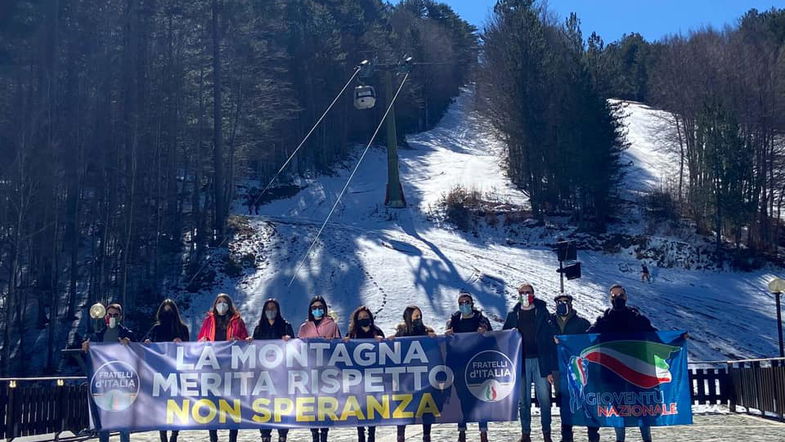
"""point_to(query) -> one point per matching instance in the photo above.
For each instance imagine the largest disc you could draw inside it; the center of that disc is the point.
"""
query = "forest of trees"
(563, 137)
(726, 92)
(126, 127)
(544, 90)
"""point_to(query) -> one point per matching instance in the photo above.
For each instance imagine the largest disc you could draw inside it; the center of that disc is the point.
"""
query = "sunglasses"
(465, 303)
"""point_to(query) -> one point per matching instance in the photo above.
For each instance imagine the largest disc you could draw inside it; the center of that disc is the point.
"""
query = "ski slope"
(390, 258)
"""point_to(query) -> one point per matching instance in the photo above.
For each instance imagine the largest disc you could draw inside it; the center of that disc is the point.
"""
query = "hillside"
(388, 258)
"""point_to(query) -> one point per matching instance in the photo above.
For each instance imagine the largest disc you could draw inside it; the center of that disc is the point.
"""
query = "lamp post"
(777, 286)
(97, 312)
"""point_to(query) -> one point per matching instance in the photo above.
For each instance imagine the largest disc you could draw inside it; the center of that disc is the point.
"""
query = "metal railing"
(43, 405)
(52, 405)
(759, 385)
(710, 383)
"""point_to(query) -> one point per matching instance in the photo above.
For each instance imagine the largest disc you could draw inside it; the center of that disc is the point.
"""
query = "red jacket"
(234, 330)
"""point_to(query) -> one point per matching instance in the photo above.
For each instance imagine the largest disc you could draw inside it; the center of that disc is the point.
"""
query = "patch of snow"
(390, 258)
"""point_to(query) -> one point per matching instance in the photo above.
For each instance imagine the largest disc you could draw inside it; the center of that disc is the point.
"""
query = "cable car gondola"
(364, 97)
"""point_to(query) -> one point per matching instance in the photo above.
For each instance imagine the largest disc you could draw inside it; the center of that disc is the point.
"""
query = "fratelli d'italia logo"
(114, 386)
(490, 376)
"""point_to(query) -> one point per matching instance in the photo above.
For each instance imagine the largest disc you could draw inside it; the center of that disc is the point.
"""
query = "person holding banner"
(361, 326)
(532, 319)
(566, 321)
(412, 325)
(468, 320)
(112, 333)
(223, 323)
(621, 318)
(168, 327)
(272, 325)
(319, 325)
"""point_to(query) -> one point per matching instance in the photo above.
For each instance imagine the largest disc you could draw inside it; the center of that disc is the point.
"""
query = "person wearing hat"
(566, 321)
(468, 319)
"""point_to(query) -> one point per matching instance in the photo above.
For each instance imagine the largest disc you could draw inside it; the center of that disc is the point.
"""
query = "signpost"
(567, 252)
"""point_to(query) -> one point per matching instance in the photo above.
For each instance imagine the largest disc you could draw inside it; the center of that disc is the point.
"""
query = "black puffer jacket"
(624, 320)
(575, 325)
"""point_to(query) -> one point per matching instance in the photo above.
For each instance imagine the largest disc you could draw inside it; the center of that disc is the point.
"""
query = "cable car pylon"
(349, 180)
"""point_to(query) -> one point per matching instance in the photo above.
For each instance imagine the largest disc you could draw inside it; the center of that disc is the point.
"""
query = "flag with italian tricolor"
(624, 379)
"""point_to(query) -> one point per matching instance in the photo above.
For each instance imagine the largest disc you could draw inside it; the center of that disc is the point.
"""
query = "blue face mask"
(271, 314)
(465, 308)
(317, 313)
(562, 309)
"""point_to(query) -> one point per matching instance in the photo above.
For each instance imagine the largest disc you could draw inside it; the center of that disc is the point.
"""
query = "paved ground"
(707, 428)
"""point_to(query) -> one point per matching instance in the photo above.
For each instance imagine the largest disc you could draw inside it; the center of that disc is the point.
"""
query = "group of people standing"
(539, 328)
(530, 316)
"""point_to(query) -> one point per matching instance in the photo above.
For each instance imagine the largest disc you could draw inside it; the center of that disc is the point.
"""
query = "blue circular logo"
(490, 376)
(114, 386)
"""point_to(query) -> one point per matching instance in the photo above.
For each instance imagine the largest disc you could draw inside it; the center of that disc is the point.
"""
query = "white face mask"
(112, 322)
(222, 308)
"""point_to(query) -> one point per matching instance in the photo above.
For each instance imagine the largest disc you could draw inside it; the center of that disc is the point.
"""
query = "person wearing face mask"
(272, 325)
(168, 327)
(413, 325)
(621, 318)
(566, 321)
(531, 318)
(361, 326)
(223, 323)
(468, 320)
(319, 325)
(112, 332)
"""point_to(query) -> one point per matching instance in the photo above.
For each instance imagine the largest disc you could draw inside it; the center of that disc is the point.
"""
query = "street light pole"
(779, 324)
(777, 286)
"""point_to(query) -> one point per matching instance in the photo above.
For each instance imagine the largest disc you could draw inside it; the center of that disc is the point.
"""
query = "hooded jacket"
(235, 329)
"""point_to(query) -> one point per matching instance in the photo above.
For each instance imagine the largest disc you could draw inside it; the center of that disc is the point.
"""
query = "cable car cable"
(346, 186)
(357, 70)
(288, 160)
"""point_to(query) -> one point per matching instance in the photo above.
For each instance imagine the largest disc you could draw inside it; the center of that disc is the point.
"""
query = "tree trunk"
(218, 167)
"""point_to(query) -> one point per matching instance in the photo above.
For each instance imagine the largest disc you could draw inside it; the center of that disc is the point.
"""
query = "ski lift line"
(348, 181)
(357, 70)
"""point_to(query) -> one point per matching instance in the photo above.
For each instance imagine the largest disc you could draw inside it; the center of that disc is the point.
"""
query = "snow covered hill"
(390, 258)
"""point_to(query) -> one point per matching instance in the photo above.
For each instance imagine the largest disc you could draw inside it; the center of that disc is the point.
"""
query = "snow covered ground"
(390, 258)
(711, 427)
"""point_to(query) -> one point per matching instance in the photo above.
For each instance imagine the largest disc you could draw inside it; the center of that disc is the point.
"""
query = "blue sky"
(653, 19)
